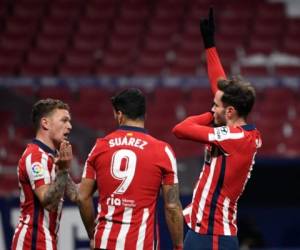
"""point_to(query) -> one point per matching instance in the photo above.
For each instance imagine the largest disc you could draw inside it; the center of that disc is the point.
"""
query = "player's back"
(130, 167)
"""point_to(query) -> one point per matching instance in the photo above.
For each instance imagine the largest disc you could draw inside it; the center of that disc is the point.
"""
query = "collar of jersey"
(249, 127)
(132, 128)
(44, 147)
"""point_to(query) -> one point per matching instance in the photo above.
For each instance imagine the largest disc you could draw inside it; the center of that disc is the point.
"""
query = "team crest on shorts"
(37, 170)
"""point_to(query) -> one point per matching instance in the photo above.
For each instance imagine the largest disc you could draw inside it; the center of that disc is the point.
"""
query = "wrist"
(62, 171)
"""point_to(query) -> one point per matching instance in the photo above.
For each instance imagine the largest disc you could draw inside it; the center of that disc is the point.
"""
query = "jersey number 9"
(127, 157)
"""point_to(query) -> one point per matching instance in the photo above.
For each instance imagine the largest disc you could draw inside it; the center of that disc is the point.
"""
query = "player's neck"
(134, 123)
(236, 122)
(45, 139)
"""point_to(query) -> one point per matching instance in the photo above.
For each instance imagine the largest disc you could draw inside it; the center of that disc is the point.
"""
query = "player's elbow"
(83, 199)
(173, 208)
(177, 131)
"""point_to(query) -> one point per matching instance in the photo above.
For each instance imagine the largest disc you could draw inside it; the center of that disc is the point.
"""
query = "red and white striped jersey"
(37, 228)
(229, 157)
(129, 166)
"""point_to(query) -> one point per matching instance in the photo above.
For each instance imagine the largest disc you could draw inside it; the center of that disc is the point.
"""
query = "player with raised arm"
(231, 145)
(43, 177)
(128, 166)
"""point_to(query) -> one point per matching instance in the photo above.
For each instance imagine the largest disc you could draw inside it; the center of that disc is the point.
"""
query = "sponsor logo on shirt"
(221, 133)
(224, 130)
(114, 201)
(37, 170)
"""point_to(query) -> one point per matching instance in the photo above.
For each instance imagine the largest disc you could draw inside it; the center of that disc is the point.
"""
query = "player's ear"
(230, 111)
(44, 123)
(119, 116)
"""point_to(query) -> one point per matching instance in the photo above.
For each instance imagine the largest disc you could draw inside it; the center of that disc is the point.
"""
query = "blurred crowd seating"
(138, 37)
(276, 114)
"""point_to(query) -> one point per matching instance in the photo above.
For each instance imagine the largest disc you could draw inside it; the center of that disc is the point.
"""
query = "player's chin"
(218, 123)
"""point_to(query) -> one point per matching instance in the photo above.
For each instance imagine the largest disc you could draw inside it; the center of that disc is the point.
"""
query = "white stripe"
(85, 165)
(194, 195)
(234, 217)
(173, 163)
(28, 169)
(124, 228)
(44, 162)
(17, 230)
(187, 212)
(226, 216)
(223, 133)
(206, 191)
(20, 242)
(97, 220)
(48, 237)
(107, 227)
(142, 230)
(23, 232)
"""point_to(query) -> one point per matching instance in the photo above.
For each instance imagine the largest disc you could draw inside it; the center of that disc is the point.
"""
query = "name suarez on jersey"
(128, 141)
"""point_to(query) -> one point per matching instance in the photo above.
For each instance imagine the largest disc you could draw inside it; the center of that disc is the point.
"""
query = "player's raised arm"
(214, 66)
(173, 213)
(194, 128)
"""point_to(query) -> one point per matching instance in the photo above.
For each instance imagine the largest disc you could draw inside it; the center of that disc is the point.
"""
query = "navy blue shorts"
(195, 241)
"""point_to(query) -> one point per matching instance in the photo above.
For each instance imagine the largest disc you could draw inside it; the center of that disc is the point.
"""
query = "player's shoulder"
(102, 142)
(158, 142)
(32, 149)
(32, 154)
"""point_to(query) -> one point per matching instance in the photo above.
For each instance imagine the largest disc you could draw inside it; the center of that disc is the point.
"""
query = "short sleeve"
(169, 167)
(37, 169)
(89, 166)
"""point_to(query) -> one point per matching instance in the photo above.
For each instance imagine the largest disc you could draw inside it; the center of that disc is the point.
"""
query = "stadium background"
(84, 51)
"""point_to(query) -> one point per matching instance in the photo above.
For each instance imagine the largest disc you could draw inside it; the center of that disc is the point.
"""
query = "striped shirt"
(129, 167)
(229, 157)
(37, 228)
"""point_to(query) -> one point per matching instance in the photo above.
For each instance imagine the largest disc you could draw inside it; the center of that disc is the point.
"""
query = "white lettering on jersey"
(134, 142)
(113, 201)
(125, 175)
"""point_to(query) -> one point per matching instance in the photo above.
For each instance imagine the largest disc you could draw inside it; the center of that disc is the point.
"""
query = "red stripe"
(198, 195)
(41, 239)
(114, 231)
(215, 243)
(207, 207)
(132, 234)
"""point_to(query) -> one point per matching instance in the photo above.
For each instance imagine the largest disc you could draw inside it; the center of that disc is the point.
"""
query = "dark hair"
(131, 102)
(239, 94)
(44, 107)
